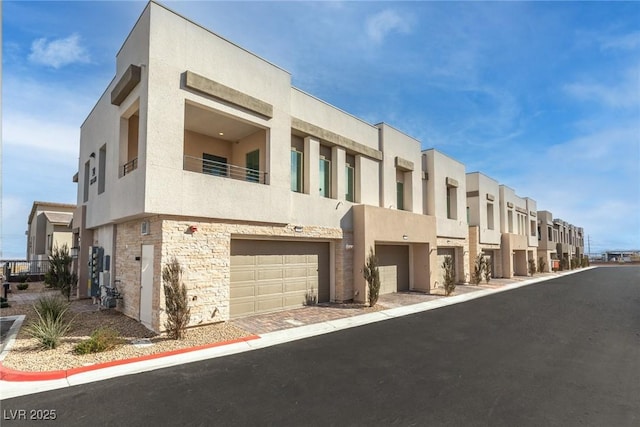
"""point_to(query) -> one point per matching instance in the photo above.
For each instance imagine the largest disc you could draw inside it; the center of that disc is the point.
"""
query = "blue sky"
(542, 96)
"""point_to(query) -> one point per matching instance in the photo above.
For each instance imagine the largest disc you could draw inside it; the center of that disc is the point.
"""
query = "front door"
(146, 285)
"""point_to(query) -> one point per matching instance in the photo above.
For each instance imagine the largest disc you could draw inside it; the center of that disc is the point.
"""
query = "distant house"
(49, 225)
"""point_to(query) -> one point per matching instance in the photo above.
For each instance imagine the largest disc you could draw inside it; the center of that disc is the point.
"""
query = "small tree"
(564, 263)
(60, 275)
(479, 267)
(449, 275)
(371, 274)
(176, 301)
(541, 265)
(532, 266)
(585, 261)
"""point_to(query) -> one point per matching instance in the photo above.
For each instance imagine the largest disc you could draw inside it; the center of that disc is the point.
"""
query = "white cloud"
(629, 41)
(32, 132)
(621, 94)
(59, 52)
(383, 23)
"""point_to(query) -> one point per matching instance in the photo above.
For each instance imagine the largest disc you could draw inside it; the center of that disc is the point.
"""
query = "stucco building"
(48, 226)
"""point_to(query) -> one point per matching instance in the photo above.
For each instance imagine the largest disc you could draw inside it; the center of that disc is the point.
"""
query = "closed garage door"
(442, 253)
(393, 261)
(275, 275)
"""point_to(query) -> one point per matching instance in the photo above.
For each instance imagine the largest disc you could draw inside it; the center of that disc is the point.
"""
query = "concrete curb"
(16, 383)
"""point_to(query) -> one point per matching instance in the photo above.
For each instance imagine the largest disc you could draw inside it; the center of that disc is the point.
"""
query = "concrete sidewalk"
(272, 329)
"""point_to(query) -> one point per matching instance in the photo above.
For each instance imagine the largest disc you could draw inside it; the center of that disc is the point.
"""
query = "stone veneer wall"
(129, 243)
(206, 260)
(344, 268)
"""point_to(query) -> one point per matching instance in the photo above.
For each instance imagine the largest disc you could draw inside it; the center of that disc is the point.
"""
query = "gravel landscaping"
(26, 356)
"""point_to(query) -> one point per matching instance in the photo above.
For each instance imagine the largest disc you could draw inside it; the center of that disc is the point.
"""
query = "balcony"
(223, 169)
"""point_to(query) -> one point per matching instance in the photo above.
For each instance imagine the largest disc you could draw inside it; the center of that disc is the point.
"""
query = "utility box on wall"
(96, 255)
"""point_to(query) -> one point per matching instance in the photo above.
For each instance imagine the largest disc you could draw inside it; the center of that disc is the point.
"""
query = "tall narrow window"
(349, 195)
(253, 166)
(87, 169)
(533, 228)
(296, 171)
(451, 202)
(510, 221)
(490, 224)
(325, 177)
(102, 166)
(400, 195)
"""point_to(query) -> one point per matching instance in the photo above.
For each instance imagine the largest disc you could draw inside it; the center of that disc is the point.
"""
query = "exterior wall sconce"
(74, 252)
(405, 237)
(92, 155)
(298, 228)
(193, 229)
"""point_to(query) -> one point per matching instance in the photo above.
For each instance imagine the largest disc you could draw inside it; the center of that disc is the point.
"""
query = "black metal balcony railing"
(130, 166)
(210, 167)
(16, 269)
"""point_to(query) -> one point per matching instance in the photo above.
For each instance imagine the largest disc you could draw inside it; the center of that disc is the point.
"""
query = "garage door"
(393, 262)
(276, 275)
(442, 253)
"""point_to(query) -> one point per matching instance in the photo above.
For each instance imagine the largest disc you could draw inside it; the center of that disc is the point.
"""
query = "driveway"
(563, 352)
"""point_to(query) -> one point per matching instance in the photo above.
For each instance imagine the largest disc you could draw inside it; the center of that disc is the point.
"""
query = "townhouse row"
(201, 151)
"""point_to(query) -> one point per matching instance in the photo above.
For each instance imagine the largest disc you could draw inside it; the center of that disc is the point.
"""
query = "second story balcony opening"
(129, 137)
(219, 145)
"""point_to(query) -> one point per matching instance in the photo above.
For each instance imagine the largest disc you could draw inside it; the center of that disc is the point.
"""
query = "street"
(562, 352)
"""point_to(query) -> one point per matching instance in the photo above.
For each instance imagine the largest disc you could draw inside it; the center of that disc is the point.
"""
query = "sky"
(543, 97)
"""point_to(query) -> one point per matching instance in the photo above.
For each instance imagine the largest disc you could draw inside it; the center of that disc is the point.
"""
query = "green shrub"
(541, 265)
(479, 267)
(532, 266)
(22, 286)
(60, 275)
(102, 339)
(49, 328)
(176, 301)
(449, 275)
(487, 271)
(585, 261)
(371, 274)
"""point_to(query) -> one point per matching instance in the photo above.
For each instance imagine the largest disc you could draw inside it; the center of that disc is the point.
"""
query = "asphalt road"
(565, 352)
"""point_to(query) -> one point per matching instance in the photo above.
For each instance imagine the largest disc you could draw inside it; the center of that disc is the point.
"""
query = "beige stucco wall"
(374, 225)
(395, 144)
(440, 167)
(479, 188)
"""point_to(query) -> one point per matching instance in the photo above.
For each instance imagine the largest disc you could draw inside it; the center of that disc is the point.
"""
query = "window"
(214, 165)
(349, 172)
(533, 228)
(490, 224)
(129, 135)
(49, 242)
(296, 171)
(253, 166)
(325, 177)
(539, 234)
(400, 195)
(550, 233)
(87, 169)
(510, 221)
(102, 165)
(451, 202)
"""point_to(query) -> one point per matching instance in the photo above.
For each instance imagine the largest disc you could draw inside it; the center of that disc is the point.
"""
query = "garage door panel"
(243, 291)
(296, 272)
(238, 276)
(393, 261)
(275, 273)
(280, 273)
(296, 286)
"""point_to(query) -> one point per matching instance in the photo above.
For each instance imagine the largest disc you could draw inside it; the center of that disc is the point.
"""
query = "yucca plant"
(51, 324)
(479, 266)
(532, 266)
(541, 265)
